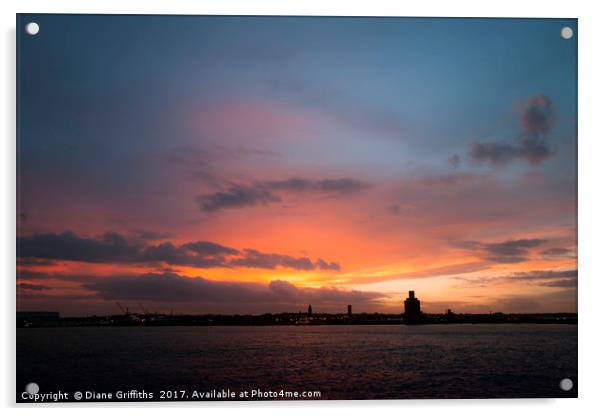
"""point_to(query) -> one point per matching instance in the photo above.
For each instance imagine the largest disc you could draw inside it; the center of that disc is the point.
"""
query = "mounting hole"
(566, 32)
(32, 388)
(566, 384)
(32, 28)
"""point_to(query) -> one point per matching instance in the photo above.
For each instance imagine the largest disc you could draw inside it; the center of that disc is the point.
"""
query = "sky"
(213, 164)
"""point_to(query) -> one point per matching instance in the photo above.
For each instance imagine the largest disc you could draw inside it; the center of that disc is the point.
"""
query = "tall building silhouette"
(349, 313)
(309, 310)
(412, 314)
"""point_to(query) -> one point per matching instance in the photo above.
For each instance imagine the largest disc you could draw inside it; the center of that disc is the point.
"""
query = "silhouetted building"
(309, 310)
(349, 313)
(412, 314)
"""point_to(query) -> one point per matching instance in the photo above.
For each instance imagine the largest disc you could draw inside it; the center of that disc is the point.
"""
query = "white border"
(590, 202)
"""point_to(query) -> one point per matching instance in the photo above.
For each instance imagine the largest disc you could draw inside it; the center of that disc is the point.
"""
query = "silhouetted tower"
(309, 310)
(349, 313)
(412, 314)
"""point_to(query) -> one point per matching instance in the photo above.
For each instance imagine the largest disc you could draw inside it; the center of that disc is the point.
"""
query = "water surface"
(342, 362)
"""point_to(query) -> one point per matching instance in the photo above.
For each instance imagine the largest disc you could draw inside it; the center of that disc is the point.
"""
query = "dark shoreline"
(292, 319)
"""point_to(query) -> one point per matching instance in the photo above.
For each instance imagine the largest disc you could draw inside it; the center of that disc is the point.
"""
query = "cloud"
(178, 255)
(537, 118)
(543, 275)
(446, 270)
(169, 288)
(33, 261)
(509, 251)
(533, 150)
(493, 152)
(110, 247)
(254, 258)
(538, 115)
(28, 274)
(561, 283)
(173, 288)
(236, 196)
(338, 186)
(265, 192)
(207, 248)
(116, 248)
(556, 252)
(324, 265)
(29, 286)
(550, 278)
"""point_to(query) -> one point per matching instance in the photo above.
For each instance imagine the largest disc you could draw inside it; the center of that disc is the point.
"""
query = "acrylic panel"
(295, 208)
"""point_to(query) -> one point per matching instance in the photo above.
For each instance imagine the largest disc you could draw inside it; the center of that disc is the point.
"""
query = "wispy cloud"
(550, 278)
(30, 286)
(266, 192)
(557, 252)
(508, 251)
(425, 273)
(236, 196)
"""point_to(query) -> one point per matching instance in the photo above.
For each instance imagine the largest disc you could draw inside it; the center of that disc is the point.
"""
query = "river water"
(338, 362)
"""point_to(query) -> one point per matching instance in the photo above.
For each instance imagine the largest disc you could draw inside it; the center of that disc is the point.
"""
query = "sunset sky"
(254, 164)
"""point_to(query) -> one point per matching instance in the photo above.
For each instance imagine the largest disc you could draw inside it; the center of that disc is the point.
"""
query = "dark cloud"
(178, 255)
(207, 248)
(538, 115)
(493, 152)
(172, 287)
(550, 278)
(339, 186)
(169, 288)
(537, 118)
(556, 252)
(534, 150)
(561, 283)
(175, 288)
(27, 274)
(544, 275)
(263, 193)
(29, 286)
(509, 251)
(254, 258)
(116, 248)
(324, 265)
(236, 196)
(33, 261)
(110, 247)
